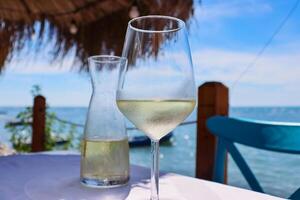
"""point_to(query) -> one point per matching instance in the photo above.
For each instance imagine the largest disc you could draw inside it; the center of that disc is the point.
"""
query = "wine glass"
(156, 90)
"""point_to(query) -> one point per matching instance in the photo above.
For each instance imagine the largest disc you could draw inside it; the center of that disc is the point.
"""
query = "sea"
(278, 173)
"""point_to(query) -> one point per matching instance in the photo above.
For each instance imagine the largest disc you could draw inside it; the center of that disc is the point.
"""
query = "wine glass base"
(103, 183)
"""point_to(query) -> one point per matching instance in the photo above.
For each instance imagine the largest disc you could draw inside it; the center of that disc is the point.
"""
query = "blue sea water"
(278, 173)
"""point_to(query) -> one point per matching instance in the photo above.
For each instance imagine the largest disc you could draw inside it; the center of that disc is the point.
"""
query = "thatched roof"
(60, 11)
(87, 26)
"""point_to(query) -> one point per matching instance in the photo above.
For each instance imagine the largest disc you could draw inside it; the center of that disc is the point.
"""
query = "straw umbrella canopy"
(87, 27)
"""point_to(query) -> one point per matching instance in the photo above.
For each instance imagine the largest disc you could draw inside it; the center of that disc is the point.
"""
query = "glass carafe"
(104, 147)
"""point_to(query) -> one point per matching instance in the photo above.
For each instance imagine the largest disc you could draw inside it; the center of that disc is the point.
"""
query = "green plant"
(55, 131)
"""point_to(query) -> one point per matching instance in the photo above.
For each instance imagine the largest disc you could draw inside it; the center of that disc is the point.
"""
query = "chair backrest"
(274, 136)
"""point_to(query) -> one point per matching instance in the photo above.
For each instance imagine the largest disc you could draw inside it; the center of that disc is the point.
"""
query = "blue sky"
(224, 37)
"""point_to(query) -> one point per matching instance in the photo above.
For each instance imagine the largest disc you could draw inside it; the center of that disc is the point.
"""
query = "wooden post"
(212, 100)
(38, 124)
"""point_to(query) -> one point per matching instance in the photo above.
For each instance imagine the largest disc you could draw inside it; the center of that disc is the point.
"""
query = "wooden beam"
(213, 99)
(38, 124)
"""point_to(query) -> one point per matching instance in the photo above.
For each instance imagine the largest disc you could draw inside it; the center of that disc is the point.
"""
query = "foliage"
(55, 131)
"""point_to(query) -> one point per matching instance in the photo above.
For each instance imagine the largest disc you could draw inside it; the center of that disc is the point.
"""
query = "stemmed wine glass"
(156, 90)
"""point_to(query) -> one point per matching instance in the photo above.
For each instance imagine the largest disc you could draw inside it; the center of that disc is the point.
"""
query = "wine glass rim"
(181, 24)
(106, 59)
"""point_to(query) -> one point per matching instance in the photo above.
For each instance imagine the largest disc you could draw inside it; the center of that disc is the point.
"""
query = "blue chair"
(273, 136)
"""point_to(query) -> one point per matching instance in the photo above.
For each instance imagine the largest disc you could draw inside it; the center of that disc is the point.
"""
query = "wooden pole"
(38, 124)
(213, 99)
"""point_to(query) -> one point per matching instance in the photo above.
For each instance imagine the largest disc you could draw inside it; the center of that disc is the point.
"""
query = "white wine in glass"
(106, 160)
(156, 118)
(156, 90)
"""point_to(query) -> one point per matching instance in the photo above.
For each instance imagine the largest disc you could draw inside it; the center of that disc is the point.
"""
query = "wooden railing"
(213, 99)
(38, 124)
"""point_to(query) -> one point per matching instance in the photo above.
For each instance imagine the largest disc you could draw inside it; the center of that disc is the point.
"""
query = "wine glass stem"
(154, 170)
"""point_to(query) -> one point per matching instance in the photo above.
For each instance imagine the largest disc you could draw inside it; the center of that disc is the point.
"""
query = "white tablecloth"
(43, 177)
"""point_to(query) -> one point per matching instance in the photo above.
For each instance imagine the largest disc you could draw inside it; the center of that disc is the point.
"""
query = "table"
(48, 177)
